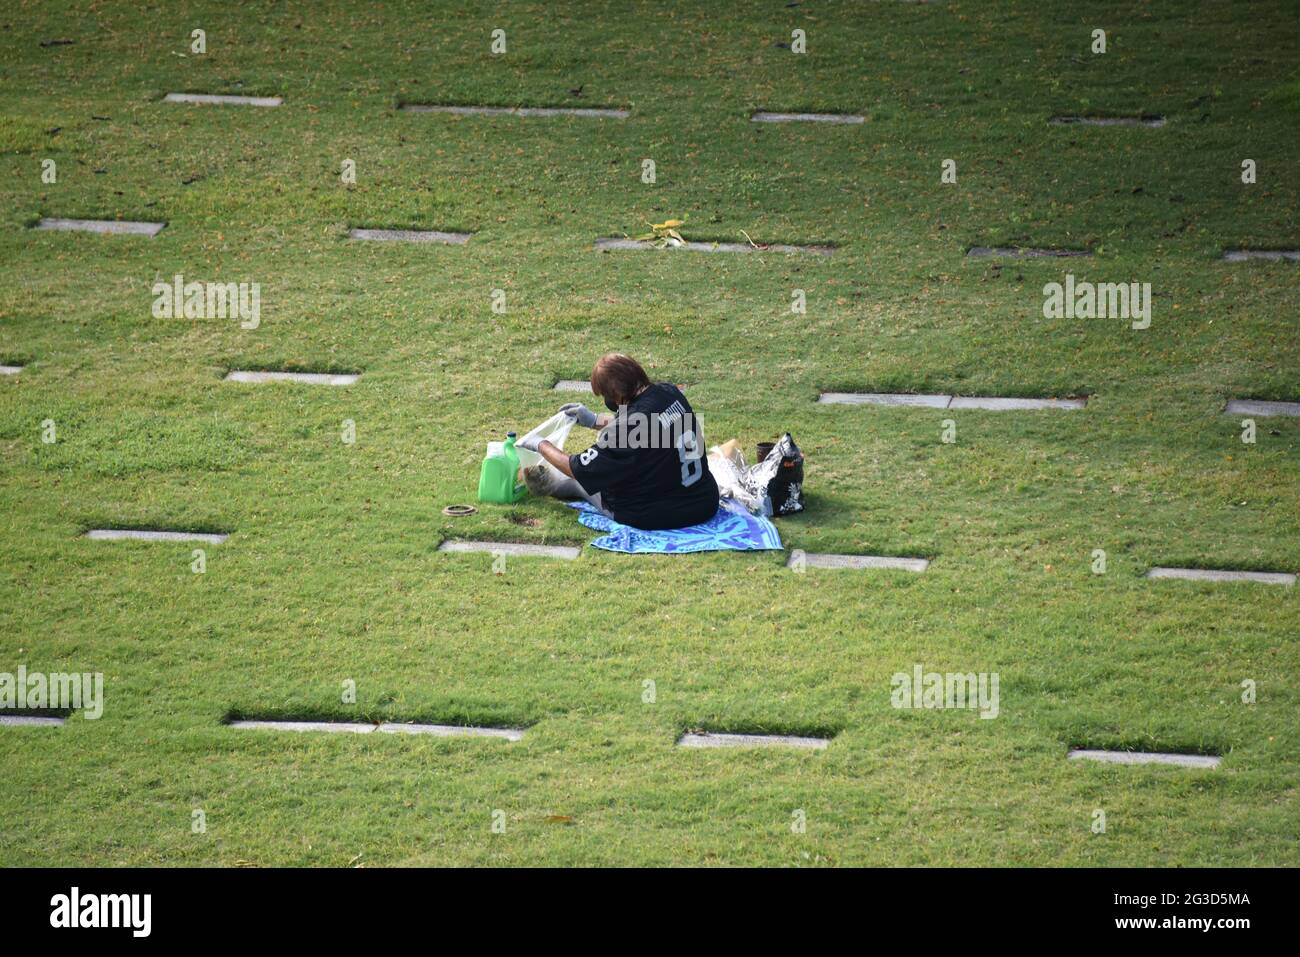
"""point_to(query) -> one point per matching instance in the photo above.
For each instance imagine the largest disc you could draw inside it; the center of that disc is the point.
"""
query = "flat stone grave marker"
(118, 227)
(30, 720)
(306, 378)
(1025, 252)
(1219, 575)
(989, 403)
(1148, 121)
(522, 549)
(345, 727)
(1274, 255)
(573, 385)
(993, 404)
(451, 731)
(611, 113)
(222, 99)
(410, 236)
(848, 118)
(818, 560)
(153, 535)
(10, 370)
(1145, 757)
(884, 398)
(710, 247)
(1260, 407)
(331, 727)
(711, 740)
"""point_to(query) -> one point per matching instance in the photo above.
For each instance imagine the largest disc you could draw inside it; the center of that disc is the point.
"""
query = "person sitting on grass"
(648, 468)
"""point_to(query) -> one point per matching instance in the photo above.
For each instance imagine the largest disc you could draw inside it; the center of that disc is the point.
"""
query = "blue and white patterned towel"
(732, 529)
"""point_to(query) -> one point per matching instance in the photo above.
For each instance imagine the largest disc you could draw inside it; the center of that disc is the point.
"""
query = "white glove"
(530, 442)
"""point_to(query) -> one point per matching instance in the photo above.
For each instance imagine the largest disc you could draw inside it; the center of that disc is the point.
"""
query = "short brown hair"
(618, 378)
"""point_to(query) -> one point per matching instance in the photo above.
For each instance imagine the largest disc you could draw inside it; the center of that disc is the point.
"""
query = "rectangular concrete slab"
(346, 727)
(1146, 757)
(307, 378)
(816, 560)
(1274, 255)
(691, 740)
(222, 99)
(146, 535)
(409, 236)
(1258, 407)
(1025, 252)
(572, 385)
(29, 720)
(884, 398)
(453, 731)
(995, 404)
(1216, 575)
(335, 727)
(764, 117)
(1149, 121)
(610, 113)
(704, 247)
(10, 370)
(523, 549)
(114, 226)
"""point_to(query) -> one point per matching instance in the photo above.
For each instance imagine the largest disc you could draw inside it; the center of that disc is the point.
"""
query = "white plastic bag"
(554, 430)
(541, 477)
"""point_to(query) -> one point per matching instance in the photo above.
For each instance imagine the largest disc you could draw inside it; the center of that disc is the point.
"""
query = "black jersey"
(649, 464)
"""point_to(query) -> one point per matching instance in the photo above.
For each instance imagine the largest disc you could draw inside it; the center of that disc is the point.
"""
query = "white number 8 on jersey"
(688, 451)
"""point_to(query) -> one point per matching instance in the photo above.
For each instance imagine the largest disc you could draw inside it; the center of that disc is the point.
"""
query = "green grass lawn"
(331, 571)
